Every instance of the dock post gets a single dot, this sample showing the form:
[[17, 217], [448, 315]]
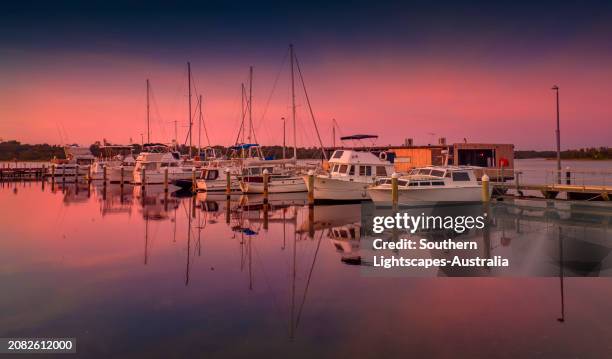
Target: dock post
[[52, 175], [568, 176], [266, 179], [228, 182], [104, 175], [394, 190], [166, 179], [76, 175], [64, 174], [311, 198], [193, 179], [122, 175], [143, 179], [485, 188]]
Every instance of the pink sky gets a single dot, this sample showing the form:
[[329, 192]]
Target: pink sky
[[96, 96]]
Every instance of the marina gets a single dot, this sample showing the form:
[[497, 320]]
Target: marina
[[253, 179], [280, 269]]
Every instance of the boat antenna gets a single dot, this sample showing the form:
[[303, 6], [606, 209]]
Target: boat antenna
[[291, 56]]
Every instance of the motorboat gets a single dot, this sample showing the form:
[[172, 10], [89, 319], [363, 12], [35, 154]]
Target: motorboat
[[280, 180], [155, 161], [350, 174], [78, 159], [430, 184]]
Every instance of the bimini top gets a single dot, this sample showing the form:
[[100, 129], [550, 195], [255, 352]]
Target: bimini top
[[357, 137], [244, 146]]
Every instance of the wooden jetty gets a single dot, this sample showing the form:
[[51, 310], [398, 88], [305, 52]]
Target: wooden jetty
[[573, 192], [22, 173]]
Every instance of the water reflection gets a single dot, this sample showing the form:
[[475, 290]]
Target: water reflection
[[243, 270]]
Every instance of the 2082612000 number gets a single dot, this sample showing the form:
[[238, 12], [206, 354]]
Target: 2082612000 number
[[37, 345]]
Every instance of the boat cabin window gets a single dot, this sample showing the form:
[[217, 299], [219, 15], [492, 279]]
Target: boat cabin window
[[365, 170], [424, 171], [437, 183], [402, 183], [212, 174], [461, 176], [437, 173], [337, 154], [351, 170], [343, 168], [381, 171], [150, 166], [335, 169]]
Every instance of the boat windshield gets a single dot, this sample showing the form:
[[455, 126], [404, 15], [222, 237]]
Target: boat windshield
[[437, 173]]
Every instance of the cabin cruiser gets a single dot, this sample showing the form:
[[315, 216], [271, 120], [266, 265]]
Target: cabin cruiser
[[280, 180], [113, 157], [78, 159], [351, 172], [154, 161], [431, 184], [127, 164]]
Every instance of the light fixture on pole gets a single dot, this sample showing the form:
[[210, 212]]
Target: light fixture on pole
[[558, 133]]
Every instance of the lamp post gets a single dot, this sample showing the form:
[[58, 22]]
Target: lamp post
[[558, 133], [284, 123]]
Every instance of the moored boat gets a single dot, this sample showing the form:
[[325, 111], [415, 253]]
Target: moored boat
[[431, 184]]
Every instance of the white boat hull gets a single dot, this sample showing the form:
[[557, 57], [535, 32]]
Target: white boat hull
[[114, 174], [216, 185], [411, 196], [280, 185], [158, 177], [331, 189]]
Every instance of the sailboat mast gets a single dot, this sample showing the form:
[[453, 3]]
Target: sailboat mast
[[189, 85], [148, 115], [293, 102], [250, 103], [200, 127]]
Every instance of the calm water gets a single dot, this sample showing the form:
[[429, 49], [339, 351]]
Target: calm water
[[141, 275]]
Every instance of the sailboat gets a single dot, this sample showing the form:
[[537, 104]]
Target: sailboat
[[281, 179]]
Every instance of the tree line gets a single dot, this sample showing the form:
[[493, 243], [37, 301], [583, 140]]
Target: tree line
[[16, 151]]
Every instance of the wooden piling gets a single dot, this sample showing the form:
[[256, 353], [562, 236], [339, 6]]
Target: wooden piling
[[311, 198], [394, 190], [104, 178], [193, 179], [485, 188], [166, 179], [143, 179], [568, 176], [266, 178], [228, 182]]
